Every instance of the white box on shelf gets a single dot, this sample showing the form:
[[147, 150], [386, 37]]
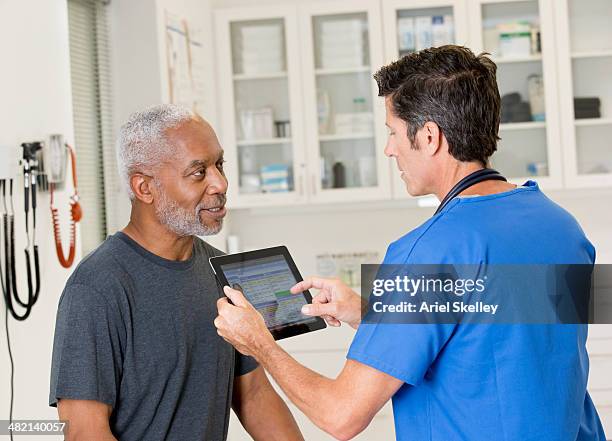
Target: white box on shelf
[[257, 123], [514, 40], [358, 122]]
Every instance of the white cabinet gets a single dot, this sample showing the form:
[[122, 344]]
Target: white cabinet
[[301, 120], [261, 105], [402, 21], [530, 137], [520, 35], [344, 118], [585, 69]]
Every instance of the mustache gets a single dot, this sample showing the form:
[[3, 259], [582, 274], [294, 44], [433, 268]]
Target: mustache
[[219, 201]]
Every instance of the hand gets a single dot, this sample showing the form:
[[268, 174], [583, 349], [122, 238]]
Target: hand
[[335, 303], [242, 325]]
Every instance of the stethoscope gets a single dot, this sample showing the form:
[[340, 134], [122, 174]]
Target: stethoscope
[[9, 289], [485, 174]]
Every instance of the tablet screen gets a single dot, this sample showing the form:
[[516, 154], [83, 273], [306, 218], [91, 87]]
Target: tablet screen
[[266, 283]]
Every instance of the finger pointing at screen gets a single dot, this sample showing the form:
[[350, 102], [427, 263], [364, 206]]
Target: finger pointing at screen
[[336, 302]]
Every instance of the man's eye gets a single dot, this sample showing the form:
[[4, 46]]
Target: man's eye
[[200, 172], [220, 164]]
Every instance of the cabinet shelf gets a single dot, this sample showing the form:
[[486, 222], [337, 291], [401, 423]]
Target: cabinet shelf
[[528, 125], [343, 71], [593, 122], [267, 141], [524, 59], [345, 137], [260, 76], [592, 54]]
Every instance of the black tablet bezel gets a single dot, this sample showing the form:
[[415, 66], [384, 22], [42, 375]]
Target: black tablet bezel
[[286, 331]]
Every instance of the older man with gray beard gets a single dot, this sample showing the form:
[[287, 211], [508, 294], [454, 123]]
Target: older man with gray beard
[[136, 355]]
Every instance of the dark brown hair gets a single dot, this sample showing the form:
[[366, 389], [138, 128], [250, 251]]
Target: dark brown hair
[[452, 87]]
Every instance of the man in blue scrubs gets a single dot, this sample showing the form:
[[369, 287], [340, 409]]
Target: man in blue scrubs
[[447, 382]]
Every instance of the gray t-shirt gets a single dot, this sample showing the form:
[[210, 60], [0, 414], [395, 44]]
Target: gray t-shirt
[[135, 330]]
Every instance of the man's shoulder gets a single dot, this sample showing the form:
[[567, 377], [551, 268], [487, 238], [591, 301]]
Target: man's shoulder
[[399, 250], [100, 267], [471, 228]]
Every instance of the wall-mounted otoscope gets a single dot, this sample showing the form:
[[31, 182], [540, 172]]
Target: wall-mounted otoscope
[[44, 168], [29, 164]]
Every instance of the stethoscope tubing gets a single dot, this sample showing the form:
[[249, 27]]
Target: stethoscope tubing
[[484, 174]]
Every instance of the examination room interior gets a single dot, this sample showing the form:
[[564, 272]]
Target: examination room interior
[[303, 132]]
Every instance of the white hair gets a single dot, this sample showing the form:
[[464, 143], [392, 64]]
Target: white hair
[[142, 142]]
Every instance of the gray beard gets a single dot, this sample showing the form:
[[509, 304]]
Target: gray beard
[[181, 221]]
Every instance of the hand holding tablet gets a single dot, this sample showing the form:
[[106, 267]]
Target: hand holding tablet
[[266, 277]]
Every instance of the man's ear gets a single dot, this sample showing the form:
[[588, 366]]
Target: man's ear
[[142, 186], [432, 138]]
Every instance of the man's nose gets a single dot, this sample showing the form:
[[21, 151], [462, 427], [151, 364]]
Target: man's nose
[[217, 182], [389, 152]]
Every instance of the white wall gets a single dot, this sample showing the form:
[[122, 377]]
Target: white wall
[[36, 102]]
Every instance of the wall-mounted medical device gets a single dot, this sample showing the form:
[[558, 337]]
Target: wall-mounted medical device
[[57, 154], [8, 264]]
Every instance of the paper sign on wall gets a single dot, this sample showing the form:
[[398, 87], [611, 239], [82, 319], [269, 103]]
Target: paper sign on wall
[[345, 266], [185, 59]]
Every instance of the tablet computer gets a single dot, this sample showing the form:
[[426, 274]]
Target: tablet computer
[[265, 277]]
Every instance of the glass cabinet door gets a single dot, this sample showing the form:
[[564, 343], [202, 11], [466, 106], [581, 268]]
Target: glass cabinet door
[[411, 26], [517, 38], [345, 115], [261, 121], [586, 71], [415, 25]]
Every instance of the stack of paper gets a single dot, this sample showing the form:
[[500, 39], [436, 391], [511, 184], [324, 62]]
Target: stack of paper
[[262, 49], [342, 43]]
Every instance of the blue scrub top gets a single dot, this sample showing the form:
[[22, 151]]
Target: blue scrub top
[[488, 382]]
